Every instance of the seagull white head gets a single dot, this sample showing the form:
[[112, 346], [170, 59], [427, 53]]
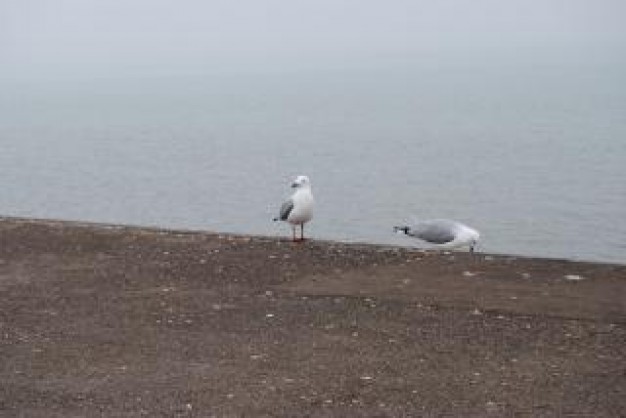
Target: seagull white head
[[301, 181]]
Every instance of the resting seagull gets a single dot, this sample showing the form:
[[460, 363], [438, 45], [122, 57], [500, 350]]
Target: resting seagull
[[298, 209], [443, 233]]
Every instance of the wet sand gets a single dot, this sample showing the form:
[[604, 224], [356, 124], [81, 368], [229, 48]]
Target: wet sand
[[101, 320]]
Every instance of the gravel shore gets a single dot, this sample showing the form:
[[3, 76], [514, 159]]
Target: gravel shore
[[103, 320]]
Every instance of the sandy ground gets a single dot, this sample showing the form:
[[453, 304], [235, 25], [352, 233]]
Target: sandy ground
[[100, 320]]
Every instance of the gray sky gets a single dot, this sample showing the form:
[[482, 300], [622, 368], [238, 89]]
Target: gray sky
[[99, 37]]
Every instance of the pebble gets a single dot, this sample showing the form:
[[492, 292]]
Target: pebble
[[491, 405], [573, 277]]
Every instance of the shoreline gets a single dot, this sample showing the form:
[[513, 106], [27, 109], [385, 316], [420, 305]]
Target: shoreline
[[53, 222], [116, 320]]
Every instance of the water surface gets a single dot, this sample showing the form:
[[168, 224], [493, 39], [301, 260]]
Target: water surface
[[531, 155]]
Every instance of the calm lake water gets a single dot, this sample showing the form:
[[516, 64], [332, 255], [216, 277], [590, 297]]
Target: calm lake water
[[533, 156]]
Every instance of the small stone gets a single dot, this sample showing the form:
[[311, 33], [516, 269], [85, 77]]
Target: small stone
[[491, 405], [269, 315], [573, 277], [468, 274]]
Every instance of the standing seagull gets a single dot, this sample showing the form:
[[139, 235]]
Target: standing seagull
[[298, 209], [442, 232]]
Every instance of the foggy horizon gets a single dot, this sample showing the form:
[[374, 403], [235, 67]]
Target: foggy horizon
[[83, 39]]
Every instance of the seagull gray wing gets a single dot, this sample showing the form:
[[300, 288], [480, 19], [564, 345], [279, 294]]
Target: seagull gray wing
[[436, 232], [286, 209]]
